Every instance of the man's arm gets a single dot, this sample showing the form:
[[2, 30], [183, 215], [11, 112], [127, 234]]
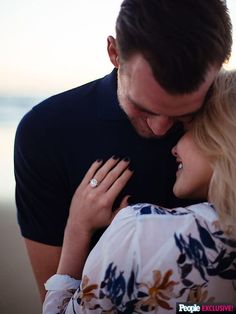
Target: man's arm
[[44, 260], [41, 193]]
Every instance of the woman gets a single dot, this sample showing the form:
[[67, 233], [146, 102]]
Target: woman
[[150, 257]]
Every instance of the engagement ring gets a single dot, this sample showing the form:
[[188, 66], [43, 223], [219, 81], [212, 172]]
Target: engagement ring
[[93, 183]]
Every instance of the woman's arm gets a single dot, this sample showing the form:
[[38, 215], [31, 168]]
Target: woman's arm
[[91, 209]]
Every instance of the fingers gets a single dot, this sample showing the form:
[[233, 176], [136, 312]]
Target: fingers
[[105, 169], [112, 171], [124, 202], [92, 206], [110, 175], [91, 172], [119, 184]]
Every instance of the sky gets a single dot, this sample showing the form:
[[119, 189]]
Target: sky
[[48, 46]]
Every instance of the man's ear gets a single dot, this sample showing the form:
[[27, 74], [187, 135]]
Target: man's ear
[[113, 51]]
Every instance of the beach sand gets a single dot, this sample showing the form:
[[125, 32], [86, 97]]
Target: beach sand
[[18, 291]]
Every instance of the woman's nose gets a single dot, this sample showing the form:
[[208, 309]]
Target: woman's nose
[[174, 151]]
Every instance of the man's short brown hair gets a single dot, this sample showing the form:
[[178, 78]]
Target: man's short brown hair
[[180, 39]]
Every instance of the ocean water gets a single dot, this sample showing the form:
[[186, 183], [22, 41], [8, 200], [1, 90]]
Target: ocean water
[[12, 109]]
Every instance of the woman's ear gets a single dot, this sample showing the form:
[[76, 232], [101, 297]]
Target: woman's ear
[[113, 51]]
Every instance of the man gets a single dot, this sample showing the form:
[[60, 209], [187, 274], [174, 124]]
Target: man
[[166, 55]]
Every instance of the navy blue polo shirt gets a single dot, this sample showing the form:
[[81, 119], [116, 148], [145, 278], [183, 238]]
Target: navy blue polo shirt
[[57, 141]]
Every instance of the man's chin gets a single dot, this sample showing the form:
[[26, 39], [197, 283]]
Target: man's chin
[[145, 133]]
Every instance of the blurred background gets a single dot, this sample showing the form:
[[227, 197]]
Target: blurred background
[[47, 46]]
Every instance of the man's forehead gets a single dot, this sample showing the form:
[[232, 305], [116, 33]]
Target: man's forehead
[[153, 98], [137, 65], [145, 91]]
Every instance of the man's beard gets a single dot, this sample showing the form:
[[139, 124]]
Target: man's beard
[[141, 126]]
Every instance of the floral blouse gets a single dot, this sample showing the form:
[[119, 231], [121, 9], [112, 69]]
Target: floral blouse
[[149, 259]]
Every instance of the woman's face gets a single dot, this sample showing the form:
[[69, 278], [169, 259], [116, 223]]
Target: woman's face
[[194, 171]]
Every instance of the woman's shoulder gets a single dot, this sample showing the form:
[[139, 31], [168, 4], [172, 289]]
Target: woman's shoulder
[[155, 223], [143, 210], [145, 216]]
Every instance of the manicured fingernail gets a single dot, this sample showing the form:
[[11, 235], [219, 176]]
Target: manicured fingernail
[[126, 159], [115, 157], [131, 167]]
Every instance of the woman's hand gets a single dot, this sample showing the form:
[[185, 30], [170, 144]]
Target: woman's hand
[[91, 207]]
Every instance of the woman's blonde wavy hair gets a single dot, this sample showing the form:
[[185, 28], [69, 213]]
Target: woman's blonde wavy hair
[[214, 131]]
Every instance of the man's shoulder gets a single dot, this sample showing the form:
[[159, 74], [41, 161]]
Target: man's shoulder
[[77, 98], [74, 104]]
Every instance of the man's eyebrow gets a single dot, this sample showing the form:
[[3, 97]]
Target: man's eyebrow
[[140, 107]]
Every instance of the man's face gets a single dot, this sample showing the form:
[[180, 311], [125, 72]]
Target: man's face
[[151, 110]]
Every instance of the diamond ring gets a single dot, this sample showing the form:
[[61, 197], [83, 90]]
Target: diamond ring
[[93, 183]]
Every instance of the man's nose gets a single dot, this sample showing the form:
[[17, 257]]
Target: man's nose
[[160, 124]]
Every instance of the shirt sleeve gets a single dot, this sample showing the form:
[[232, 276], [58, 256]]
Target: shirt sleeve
[[126, 264], [59, 287], [41, 192], [149, 259], [102, 269]]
